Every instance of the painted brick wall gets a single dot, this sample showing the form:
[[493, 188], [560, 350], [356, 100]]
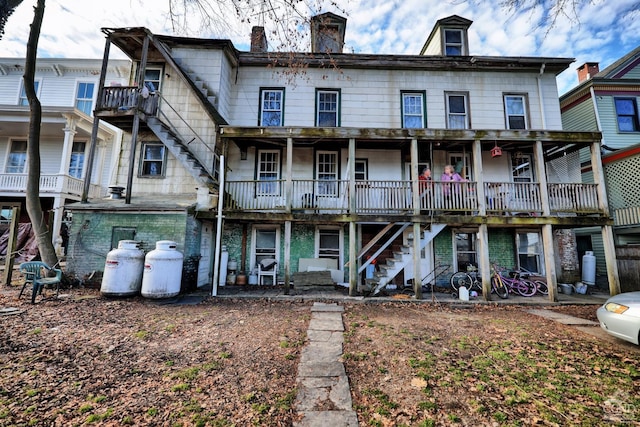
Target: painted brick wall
[[90, 237], [502, 247]]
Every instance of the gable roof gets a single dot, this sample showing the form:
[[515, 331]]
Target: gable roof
[[449, 21], [622, 66]]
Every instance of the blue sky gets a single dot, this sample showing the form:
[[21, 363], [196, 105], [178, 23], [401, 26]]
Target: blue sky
[[71, 29]]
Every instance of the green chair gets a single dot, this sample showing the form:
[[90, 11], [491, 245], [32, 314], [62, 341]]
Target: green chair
[[36, 273]]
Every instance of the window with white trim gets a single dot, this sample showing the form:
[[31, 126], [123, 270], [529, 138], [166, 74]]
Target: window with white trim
[[453, 42], [530, 256], [627, 114], [265, 243], [327, 173], [521, 167], [465, 249], [76, 163], [516, 111], [153, 160], [457, 115], [361, 169], [461, 163], [22, 100], [329, 243], [84, 97], [152, 78], [17, 158], [271, 107], [268, 173], [328, 108], [413, 110]]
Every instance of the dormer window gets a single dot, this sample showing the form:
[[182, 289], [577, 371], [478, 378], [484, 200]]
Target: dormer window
[[453, 42]]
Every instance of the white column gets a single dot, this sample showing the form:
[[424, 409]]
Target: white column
[[550, 261], [69, 133], [58, 210], [611, 261]]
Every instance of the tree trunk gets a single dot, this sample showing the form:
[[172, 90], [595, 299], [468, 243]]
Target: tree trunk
[[34, 208]]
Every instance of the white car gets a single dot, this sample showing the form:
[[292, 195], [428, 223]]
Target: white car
[[620, 316]]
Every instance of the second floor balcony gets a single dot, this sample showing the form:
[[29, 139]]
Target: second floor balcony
[[372, 197]]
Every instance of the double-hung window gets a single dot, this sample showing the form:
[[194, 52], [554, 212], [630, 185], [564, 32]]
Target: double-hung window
[[22, 100], [457, 114], [413, 110], [327, 108], [453, 42], [17, 158], [522, 169], [329, 243], [465, 247], [327, 173], [76, 164], [627, 114], [152, 79], [268, 173], [154, 156], [530, 256], [271, 107], [84, 97], [516, 111]]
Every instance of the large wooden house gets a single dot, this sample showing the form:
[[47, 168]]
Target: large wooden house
[[318, 168], [67, 90]]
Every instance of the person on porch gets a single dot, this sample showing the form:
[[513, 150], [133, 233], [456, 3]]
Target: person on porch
[[451, 191]]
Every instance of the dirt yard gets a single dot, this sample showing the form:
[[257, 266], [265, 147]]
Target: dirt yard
[[110, 362]]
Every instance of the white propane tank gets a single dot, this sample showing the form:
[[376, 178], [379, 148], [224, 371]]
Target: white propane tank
[[123, 270], [224, 259], [162, 271], [589, 268]]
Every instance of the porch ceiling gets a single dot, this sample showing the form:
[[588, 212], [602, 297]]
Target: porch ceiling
[[554, 142]]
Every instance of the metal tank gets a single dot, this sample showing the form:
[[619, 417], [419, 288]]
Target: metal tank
[[162, 271], [123, 270]]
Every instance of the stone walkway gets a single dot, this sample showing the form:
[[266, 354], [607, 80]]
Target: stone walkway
[[324, 397]]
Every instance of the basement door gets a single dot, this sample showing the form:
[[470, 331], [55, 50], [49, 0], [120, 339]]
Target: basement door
[[206, 245]]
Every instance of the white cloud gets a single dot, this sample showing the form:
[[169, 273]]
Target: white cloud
[[71, 28]]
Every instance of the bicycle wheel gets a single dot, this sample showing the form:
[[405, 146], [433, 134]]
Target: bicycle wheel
[[461, 279], [541, 287], [526, 287], [498, 286]]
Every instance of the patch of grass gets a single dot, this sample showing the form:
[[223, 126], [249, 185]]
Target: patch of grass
[[211, 366], [180, 387], [169, 363], [152, 412], [427, 406], [225, 355], [249, 397], [289, 356], [31, 392], [286, 402], [142, 334], [127, 420], [187, 374], [85, 408], [355, 357], [260, 408], [36, 331]]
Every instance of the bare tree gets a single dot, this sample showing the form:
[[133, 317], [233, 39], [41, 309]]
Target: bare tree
[[34, 209]]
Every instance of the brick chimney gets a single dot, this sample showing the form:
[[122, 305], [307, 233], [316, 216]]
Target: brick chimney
[[258, 40], [587, 70]]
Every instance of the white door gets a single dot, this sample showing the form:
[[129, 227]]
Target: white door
[[206, 245]]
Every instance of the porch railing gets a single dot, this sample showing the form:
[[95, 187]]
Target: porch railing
[[626, 216], [63, 184], [125, 98], [395, 197]]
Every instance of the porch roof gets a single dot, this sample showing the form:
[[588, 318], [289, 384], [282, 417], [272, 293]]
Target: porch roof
[[553, 141]]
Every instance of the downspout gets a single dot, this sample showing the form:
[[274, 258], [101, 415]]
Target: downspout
[[541, 96], [216, 258], [595, 112]]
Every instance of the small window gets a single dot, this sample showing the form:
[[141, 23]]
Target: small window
[[17, 159], [328, 104], [457, 117], [265, 243], [122, 233], [530, 256], [453, 42], [84, 97], [515, 111], [329, 244], [152, 78], [627, 113], [413, 110], [521, 168], [271, 107], [23, 94], [268, 172], [76, 163], [153, 160], [465, 246], [361, 169], [327, 173]]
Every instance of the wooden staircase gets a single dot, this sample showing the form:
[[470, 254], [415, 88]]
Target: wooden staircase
[[393, 266]]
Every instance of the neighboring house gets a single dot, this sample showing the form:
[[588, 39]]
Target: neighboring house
[[67, 90], [607, 101], [322, 167]]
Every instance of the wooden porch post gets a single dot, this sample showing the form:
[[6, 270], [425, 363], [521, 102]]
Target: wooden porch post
[[352, 178], [417, 273], [11, 244], [610, 259], [353, 262], [415, 188], [538, 156], [483, 261], [477, 167], [288, 190], [287, 256], [598, 177], [550, 261], [96, 126]]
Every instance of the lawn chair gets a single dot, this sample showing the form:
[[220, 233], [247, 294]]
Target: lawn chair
[[36, 274]]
